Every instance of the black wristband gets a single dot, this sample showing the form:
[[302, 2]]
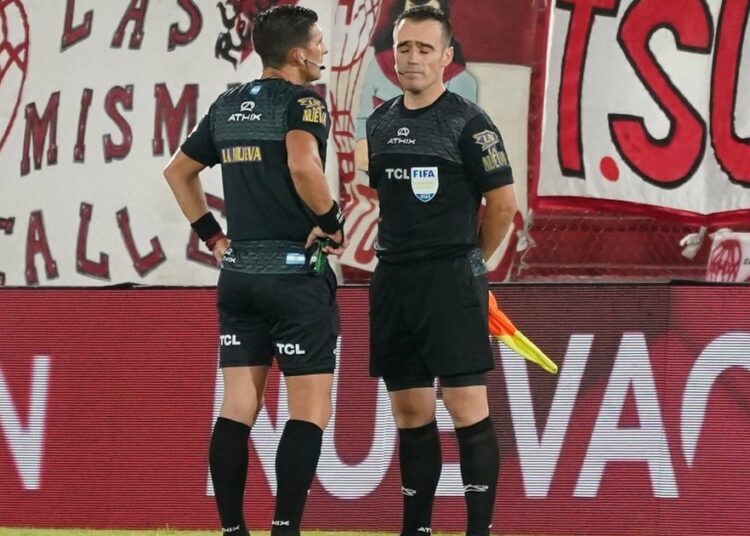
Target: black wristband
[[206, 226], [332, 221]]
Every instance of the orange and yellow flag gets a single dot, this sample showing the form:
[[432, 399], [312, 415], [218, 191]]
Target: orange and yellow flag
[[504, 330]]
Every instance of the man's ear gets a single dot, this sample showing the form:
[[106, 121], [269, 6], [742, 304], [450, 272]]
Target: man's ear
[[296, 56], [448, 56]]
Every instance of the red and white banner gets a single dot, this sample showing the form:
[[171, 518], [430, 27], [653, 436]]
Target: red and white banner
[[647, 109], [107, 399], [94, 100], [729, 260]]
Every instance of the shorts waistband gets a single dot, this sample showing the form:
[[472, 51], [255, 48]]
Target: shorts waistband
[[266, 257], [473, 255]]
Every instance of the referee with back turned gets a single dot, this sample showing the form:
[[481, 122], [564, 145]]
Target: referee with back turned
[[276, 292]]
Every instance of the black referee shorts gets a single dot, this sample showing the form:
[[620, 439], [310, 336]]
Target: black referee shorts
[[429, 320], [291, 316]]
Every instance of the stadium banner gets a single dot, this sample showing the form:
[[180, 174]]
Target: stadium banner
[[95, 99], [108, 396], [646, 110]]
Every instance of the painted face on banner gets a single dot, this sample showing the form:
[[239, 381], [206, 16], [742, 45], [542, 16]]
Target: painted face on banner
[[235, 43], [421, 54]]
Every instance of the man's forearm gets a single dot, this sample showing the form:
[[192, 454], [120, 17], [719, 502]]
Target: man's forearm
[[312, 187], [495, 225], [188, 192]]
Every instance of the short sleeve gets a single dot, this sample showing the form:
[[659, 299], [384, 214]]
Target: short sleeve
[[308, 112], [483, 152], [200, 143]]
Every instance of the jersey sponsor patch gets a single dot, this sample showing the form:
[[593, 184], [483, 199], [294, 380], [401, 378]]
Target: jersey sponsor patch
[[313, 110], [240, 117], [399, 174], [241, 154], [245, 113], [425, 182], [486, 139], [492, 158], [310, 102]]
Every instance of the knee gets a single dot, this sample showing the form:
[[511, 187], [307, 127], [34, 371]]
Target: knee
[[322, 415], [413, 416], [318, 413], [241, 408], [465, 413]]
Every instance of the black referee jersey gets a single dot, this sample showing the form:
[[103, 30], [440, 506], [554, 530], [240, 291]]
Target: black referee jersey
[[430, 167], [245, 131]]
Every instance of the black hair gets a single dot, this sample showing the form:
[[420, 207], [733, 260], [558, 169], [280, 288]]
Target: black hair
[[384, 40], [424, 13], [279, 29]]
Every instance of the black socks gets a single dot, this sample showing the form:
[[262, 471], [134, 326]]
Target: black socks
[[227, 457], [296, 462], [480, 465], [420, 460]]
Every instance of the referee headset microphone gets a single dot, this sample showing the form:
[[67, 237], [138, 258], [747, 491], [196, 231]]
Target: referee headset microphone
[[319, 66]]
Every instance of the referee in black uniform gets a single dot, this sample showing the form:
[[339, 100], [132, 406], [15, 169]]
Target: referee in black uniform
[[433, 156], [276, 292]]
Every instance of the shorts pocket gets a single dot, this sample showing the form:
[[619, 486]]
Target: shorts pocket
[[462, 269]]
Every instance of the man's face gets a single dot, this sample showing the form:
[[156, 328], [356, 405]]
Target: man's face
[[314, 52], [421, 54]]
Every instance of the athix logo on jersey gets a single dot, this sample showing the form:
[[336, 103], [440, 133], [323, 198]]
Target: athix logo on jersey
[[245, 113], [314, 111], [229, 257], [238, 155], [424, 182], [289, 349], [402, 138]]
